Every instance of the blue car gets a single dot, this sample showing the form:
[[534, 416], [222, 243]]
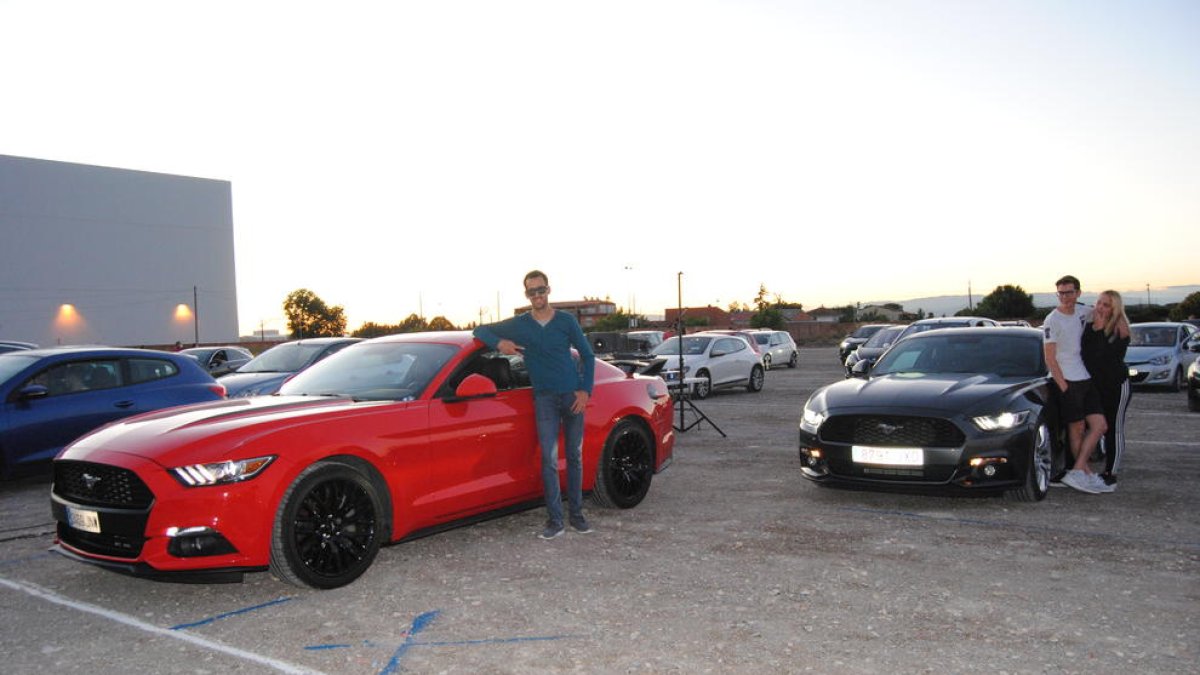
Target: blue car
[[267, 371], [50, 397]]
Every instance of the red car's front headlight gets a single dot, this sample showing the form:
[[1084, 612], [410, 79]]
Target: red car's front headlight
[[217, 473]]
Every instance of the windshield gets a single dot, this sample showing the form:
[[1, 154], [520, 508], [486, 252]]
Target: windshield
[[385, 371], [286, 358], [10, 364], [1003, 355], [866, 331], [200, 354], [1151, 336], [693, 345], [883, 338]]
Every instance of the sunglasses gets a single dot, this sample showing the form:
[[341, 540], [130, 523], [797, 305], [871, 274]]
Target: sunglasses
[[538, 290]]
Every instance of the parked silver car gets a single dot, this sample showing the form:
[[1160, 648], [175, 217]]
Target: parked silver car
[[219, 361], [710, 360], [1160, 352], [776, 346]]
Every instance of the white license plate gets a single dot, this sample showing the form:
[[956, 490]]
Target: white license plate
[[867, 454], [88, 521]]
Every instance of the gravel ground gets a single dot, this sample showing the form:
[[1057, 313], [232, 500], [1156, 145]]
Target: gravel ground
[[733, 564]]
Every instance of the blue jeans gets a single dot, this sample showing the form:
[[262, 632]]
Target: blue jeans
[[553, 412]]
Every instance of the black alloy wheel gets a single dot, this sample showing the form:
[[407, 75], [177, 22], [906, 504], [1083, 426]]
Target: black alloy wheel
[[626, 467], [327, 528]]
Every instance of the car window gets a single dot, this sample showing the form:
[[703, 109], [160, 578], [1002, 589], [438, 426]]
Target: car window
[[147, 370], [79, 376], [692, 346], [729, 345], [396, 371]]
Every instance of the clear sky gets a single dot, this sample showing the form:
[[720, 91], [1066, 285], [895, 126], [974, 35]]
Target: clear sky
[[398, 156]]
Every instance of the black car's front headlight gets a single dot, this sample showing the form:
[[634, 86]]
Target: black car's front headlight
[[811, 419], [1005, 421]]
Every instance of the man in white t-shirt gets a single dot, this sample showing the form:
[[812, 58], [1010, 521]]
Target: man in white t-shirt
[[1079, 401]]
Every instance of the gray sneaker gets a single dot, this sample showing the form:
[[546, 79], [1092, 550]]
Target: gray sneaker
[[1080, 481], [580, 525], [551, 530]]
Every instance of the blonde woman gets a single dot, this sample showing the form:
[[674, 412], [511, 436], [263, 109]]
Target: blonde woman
[[1105, 339]]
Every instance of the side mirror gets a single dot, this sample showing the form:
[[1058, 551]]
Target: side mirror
[[32, 391], [860, 369], [475, 386]]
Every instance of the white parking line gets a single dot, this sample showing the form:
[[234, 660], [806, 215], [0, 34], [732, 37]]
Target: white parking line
[[51, 596]]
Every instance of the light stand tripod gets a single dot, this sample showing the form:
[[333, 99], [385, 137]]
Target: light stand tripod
[[684, 400]]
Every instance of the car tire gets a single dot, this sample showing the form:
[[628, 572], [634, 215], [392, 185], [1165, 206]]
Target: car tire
[[328, 527], [766, 361], [1038, 466], [1176, 384], [757, 376], [795, 360], [703, 388], [626, 467]]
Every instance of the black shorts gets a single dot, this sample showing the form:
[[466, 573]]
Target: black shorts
[[1080, 400]]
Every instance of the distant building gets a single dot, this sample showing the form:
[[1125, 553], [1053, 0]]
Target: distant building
[[99, 255], [825, 315], [588, 311], [700, 317]]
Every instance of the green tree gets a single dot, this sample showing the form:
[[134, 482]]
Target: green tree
[[1188, 308], [768, 317], [413, 324], [371, 329], [617, 321], [441, 323], [1006, 302], [308, 316]]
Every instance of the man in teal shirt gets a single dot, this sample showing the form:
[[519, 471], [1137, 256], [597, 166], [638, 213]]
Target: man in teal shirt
[[561, 388]]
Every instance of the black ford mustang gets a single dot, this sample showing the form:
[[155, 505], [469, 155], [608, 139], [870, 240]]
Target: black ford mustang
[[961, 409]]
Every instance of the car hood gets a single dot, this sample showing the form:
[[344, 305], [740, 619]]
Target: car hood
[[1142, 354], [173, 435], [901, 392], [236, 383]]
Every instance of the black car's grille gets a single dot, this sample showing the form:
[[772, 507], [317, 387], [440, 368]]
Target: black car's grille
[[892, 430], [89, 484], [114, 545]]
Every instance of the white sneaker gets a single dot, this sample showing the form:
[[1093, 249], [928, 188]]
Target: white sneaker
[[1099, 484], [1080, 481]]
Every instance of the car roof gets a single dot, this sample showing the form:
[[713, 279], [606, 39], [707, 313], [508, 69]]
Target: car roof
[[460, 338], [86, 350], [976, 331], [319, 341], [1162, 324]]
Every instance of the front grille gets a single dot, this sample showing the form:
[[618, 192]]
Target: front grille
[[89, 484], [114, 545], [892, 430]]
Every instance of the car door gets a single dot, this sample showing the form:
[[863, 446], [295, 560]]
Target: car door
[[727, 364], [483, 451], [81, 395]]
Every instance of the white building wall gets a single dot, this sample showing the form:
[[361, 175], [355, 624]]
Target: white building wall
[[124, 248]]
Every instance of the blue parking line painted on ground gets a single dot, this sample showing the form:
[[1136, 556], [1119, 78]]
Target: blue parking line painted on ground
[[424, 620], [419, 624], [1012, 526], [226, 615]]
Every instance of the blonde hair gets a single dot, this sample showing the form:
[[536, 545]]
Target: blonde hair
[[1118, 311]]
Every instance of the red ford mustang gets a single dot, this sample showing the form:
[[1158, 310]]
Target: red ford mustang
[[387, 440]]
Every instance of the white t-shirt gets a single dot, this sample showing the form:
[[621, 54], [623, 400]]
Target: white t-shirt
[[1066, 332]]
